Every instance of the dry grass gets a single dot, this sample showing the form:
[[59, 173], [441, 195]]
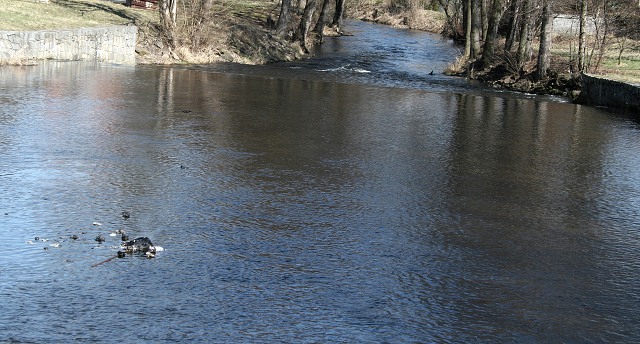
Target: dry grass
[[628, 70], [458, 66], [414, 16], [427, 20], [234, 31]]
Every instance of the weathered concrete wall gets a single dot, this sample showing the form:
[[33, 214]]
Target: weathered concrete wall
[[604, 92], [569, 25], [114, 44]]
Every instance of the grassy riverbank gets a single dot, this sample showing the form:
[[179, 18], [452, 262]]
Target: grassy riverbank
[[26, 15], [238, 31]]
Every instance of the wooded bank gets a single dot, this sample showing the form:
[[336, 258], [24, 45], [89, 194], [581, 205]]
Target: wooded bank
[[506, 41]]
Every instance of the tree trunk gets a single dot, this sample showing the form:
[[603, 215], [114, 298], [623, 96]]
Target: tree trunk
[[284, 19], [319, 29], [198, 23], [337, 16], [173, 10], [467, 29], [453, 19], [305, 23], [514, 22], [582, 42], [605, 33], [492, 33], [484, 15], [168, 16], [476, 28], [545, 41], [524, 33]]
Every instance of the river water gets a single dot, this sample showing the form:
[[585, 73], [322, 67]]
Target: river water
[[350, 198]]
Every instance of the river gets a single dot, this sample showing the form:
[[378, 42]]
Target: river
[[350, 198]]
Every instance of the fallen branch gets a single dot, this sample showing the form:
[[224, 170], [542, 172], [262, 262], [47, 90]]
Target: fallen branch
[[104, 261]]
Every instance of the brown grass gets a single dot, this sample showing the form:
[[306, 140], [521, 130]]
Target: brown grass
[[458, 66], [427, 20], [564, 54]]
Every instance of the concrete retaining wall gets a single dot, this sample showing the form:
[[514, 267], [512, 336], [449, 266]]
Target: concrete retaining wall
[[568, 25], [604, 92], [114, 44]]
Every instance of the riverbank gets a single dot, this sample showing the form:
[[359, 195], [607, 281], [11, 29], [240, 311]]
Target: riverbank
[[497, 76], [560, 81], [418, 19], [239, 31], [242, 32]]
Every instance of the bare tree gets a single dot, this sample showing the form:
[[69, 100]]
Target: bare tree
[[467, 28], [496, 11], [284, 19], [524, 43], [199, 20], [582, 39], [337, 16], [322, 18], [514, 24], [545, 41], [168, 18], [305, 23], [476, 28]]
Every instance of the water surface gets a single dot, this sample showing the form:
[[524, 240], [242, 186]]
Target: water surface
[[301, 209]]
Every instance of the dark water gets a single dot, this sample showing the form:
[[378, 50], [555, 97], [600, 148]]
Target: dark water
[[300, 210], [374, 55]]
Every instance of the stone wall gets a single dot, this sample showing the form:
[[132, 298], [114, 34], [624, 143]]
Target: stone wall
[[113, 44], [604, 92], [569, 25]]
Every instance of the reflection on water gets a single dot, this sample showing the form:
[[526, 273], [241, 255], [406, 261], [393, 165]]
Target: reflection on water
[[296, 210], [374, 55]]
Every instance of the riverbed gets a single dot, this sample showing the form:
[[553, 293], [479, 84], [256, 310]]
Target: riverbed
[[351, 198]]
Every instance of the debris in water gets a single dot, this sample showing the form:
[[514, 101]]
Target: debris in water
[[141, 245]]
